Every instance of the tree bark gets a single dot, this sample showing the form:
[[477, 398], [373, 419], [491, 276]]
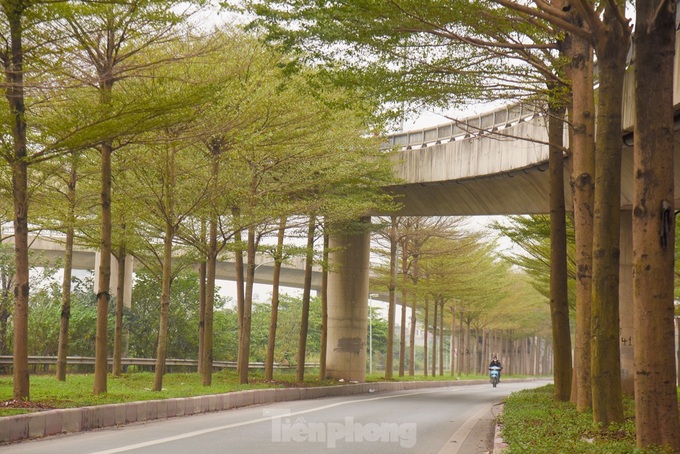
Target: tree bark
[[324, 306], [392, 305], [120, 300], [274, 317], [65, 316], [244, 340], [304, 319], [611, 48], [104, 278], [559, 303], [14, 93], [657, 420], [208, 313], [402, 331], [166, 274], [426, 320], [582, 152]]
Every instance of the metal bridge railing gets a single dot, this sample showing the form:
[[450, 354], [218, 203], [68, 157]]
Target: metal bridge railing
[[461, 129]]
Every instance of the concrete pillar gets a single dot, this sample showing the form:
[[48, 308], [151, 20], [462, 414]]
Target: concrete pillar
[[626, 302], [348, 306]]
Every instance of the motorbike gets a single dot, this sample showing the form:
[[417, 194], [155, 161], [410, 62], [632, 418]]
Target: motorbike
[[494, 374]]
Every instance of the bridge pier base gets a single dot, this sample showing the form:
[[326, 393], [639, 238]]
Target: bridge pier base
[[348, 305]]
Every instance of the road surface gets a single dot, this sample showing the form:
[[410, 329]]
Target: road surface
[[456, 419]]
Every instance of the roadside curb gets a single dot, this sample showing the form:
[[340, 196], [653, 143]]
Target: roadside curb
[[61, 421], [499, 445]]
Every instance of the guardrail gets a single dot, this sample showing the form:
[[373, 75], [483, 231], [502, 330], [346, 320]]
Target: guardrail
[[6, 360], [461, 129]]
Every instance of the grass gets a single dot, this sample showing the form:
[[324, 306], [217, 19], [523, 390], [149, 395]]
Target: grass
[[533, 422]]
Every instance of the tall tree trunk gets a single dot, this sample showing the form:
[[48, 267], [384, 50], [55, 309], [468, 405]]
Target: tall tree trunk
[[304, 319], [402, 330], [392, 304], [559, 303], [208, 313], [164, 317], [120, 301], [166, 273], [273, 322], [207, 304], [441, 339], [324, 306], [453, 348], [104, 278], [582, 178], [657, 421], [434, 338], [414, 307], [426, 321], [14, 92], [65, 316], [244, 340], [202, 272], [461, 344], [611, 48], [239, 268]]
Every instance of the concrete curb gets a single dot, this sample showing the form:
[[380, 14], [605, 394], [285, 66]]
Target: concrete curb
[[61, 421], [499, 445]]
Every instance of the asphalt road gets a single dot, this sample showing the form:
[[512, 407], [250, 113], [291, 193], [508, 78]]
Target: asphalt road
[[456, 419]]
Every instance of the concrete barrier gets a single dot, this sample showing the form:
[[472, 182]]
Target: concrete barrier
[[53, 422]]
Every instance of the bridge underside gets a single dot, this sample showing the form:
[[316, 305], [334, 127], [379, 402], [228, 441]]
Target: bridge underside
[[516, 192]]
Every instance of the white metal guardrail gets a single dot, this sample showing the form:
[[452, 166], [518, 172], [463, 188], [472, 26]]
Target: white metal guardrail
[[6, 360], [462, 129]]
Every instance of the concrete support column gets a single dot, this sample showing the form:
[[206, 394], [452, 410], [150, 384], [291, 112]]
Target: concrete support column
[[348, 306], [626, 302]]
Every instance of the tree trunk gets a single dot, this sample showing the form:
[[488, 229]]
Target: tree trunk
[[426, 321], [166, 274], [392, 305], [273, 322], [414, 306], [304, 319], [582, 185], [657, 420], [104, 278], [559, 303], [65, 318], [164, 317], [14, 92], [453, 338], [244, 340], [434, 338], [202, 272], [120, 300], [611, 48], [402, 332], [208, 314], [324, 307], [441, 339], [239, 269]]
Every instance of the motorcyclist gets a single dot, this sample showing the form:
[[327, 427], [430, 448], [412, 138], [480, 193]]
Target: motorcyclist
[[497, 363]]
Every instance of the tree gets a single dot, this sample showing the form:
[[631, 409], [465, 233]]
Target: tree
[[109, 38], [656, 399]]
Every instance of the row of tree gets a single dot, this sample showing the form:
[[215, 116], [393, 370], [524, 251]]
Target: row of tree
[[437, 53], [130, 129]]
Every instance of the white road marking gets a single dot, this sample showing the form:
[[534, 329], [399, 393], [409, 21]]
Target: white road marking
[[266, 418], [454, 443]]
